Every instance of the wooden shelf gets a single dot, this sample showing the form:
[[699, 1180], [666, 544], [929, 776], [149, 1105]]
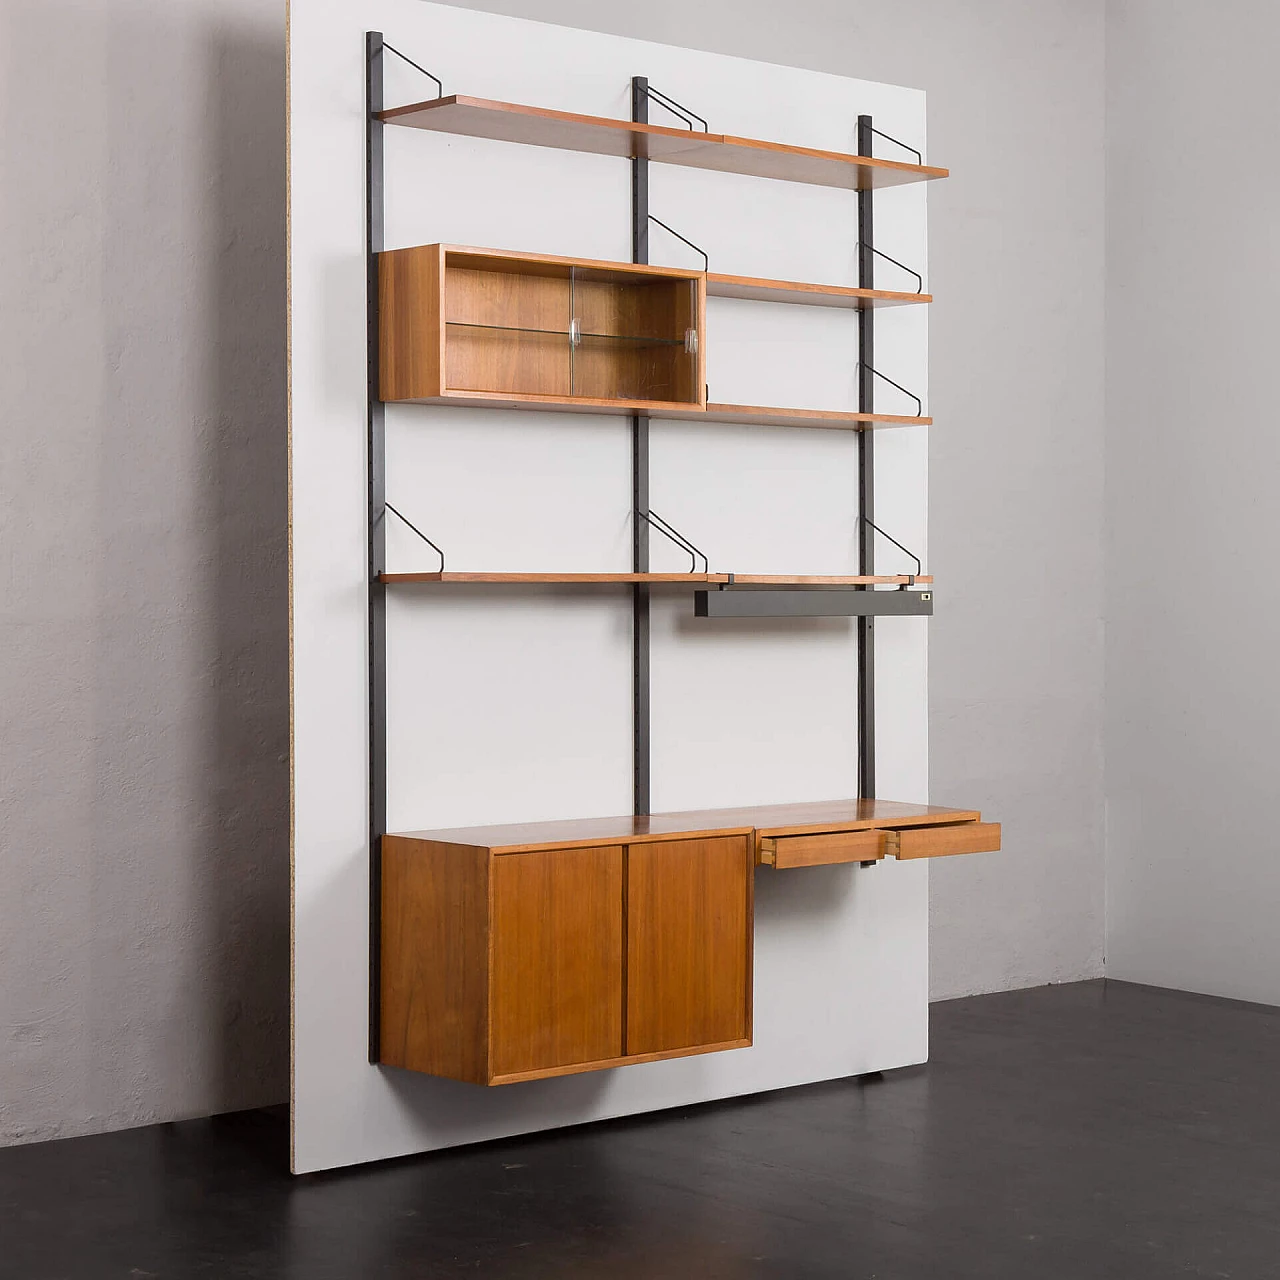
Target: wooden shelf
[[807, 818], [669, 579], [600, 135], [748, 414], [764, 416], [755, 289]]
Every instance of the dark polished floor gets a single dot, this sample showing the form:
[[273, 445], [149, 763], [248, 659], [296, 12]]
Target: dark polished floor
[[1081, 1132]]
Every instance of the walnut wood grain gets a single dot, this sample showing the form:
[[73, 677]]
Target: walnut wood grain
[[689, 941], [434, 988], [945, 841], [760, 289], [601, 135], [556, 994]]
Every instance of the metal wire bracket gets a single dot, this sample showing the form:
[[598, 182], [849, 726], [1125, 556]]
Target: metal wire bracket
[[405, 58], [890, 381], [896, 543], [418, 531], [676, 108], [897, 143], [858, 244], [655, 521], [706, 262]]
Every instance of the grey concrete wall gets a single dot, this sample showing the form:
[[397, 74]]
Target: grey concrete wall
[[143, 650], [144, 876], [1193, 607]]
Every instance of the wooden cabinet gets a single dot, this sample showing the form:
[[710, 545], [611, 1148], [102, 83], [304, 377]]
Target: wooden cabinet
[[498, 966], [517, 952], [482, 325]]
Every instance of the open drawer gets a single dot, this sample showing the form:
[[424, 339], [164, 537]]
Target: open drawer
[[782, 852], [876, 829], [942, 841]]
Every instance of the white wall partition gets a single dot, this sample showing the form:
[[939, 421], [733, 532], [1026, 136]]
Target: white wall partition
[[513, 705]]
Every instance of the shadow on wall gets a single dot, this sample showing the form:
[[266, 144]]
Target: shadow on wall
[[245, 856], [146, 933]]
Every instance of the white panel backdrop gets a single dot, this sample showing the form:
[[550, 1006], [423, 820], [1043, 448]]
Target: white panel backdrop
[[512, 705]]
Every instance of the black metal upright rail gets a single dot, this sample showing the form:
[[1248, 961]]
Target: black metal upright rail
[[641, 746], [377, 524], [866, 482]]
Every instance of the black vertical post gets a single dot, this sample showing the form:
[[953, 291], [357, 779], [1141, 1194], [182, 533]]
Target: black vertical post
[[377, 529], [866, 484], [640, 487]]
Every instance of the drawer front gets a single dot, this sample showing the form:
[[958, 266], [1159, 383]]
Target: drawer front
[[782, 852], [943, 842]]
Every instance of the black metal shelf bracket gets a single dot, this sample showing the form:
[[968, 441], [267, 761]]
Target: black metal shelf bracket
[[897, 143], [405, 58], [864, 519], [706, 262], [870, 248], [673, 534], [405, 520], [676, 108], [885, 378]]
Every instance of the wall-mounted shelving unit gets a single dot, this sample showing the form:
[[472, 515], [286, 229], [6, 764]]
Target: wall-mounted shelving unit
[[492, 329], [515, 953]]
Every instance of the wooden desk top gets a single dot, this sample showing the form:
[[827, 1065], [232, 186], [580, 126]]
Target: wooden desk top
[[765, 820]]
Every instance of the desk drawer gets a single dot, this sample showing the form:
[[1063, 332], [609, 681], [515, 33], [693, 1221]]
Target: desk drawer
[[943, 842], [782, 852]]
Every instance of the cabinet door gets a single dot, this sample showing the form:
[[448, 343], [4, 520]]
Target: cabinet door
[[556, 935], [689, 940]]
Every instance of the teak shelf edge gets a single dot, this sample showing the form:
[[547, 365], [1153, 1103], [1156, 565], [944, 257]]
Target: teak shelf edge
[[746, 414], [762, 289], [602, 135]]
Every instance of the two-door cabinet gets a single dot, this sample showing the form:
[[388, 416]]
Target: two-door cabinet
[[502, 963]]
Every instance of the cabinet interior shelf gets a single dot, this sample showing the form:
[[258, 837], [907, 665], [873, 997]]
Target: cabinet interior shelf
[[601, 135], [567, 336], [678, 579]]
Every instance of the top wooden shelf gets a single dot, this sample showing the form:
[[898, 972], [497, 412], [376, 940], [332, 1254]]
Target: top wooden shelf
[[600, 135]]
